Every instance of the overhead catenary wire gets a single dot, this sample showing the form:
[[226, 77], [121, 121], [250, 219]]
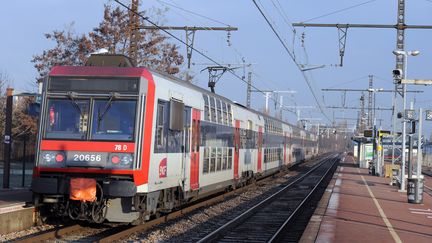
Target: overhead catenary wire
[[293, 59], [189, 46], [339, 11], [191, 12], [348, 82]]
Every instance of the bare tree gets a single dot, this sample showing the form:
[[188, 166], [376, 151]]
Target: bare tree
[[154, 50]]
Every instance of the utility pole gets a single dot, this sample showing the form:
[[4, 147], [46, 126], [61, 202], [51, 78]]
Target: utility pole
[[134, 34], [249, 90], [370, 112], [362, 114], [7, 137]]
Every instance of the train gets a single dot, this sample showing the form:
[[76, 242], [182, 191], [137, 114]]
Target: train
[[119, 143]]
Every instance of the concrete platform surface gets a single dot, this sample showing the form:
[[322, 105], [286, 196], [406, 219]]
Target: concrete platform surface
[[14, 215], [11, 197], [365, 208]]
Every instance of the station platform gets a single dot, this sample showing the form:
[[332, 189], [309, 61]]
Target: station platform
[[15, 214], [14, 197], [358, 207]]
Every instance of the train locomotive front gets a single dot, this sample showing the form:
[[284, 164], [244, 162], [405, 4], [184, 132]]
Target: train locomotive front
[[92, 146]]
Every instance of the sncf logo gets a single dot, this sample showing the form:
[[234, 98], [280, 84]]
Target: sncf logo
[[163, 168]]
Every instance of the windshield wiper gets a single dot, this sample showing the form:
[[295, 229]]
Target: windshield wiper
[[113, 96], [71, 96]]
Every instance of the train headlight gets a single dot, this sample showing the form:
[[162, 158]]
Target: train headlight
[[52, 158], [121, 160]]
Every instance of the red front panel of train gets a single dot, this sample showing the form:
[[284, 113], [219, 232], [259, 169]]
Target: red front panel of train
[[81, 154]]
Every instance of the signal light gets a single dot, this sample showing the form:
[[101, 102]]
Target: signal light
[[115, 159], [59, 158]]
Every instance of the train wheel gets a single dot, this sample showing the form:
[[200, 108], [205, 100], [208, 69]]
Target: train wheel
[[99, 211]]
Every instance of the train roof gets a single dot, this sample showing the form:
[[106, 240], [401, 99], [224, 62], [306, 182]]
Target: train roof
[[205, 91]]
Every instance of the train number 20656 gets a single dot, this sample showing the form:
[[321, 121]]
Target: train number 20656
[[87, 157]]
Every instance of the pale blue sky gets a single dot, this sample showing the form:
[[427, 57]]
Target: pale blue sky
[[368, 51]]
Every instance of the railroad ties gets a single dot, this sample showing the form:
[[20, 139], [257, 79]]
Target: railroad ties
[[271, 219]]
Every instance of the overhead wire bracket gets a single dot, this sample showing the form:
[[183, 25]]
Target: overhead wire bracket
[[215, 73], [342, 34]]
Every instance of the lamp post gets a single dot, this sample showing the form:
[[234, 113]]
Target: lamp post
[[404, 75]]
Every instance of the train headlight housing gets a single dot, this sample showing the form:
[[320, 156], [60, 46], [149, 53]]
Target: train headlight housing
[[121, 160], [126, 159], [52, 159]]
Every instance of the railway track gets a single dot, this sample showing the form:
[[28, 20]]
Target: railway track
[[428, 189], [111, 233], [278, 218]]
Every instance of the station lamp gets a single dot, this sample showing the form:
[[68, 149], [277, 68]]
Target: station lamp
[[429, 115], [409, 114]]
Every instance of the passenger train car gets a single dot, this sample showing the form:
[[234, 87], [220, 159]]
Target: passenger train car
[[124, 144]]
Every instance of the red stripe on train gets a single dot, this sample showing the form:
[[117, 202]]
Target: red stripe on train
[[87, 146]]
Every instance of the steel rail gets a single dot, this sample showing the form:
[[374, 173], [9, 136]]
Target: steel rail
[[281, 230], [51, 234], [236, 221], [428, 189]]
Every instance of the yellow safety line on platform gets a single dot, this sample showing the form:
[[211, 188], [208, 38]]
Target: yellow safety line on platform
[[381, 211]]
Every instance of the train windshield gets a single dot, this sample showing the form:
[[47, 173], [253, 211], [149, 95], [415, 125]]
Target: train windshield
[[113, 120], [67, 119], [110, 119]]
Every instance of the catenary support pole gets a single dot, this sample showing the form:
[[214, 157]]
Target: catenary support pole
[[419, 146], [7, 138]]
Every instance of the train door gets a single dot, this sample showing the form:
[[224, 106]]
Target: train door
[[186, 141], [290, 148], [285, 148], [260, 141], [195, 144], [236, 148]]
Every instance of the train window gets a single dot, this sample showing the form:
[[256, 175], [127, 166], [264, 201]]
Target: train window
[[206, 161], [213, 160], [219, 111], [219, 159], [113, 120], [213, 109], [67, 119], [225, 158], [229, 158], [176, 115], [225, 113], [194, 136], [229, 115], [160, 126], [206, 108]]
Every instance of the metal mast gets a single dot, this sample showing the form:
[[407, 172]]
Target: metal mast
[[362, 114], [370, 101], [249, 90], [134, 33]]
